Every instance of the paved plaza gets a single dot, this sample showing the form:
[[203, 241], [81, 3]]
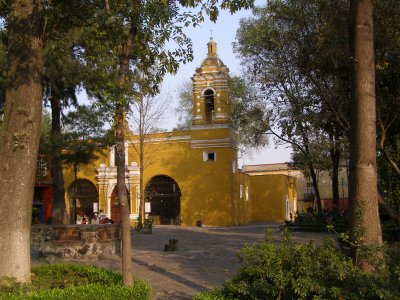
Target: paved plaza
[[204, 259]]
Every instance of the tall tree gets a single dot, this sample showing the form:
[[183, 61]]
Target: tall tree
[[365, 225], [84, 138], [63, 75], [20, 133], [136, 34], [284, 49], [387, 51], [147, 112]]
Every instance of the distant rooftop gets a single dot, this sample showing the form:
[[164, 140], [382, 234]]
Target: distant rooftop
[[266, 167]]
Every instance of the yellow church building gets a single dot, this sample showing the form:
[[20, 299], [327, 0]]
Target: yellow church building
[[193, 175]]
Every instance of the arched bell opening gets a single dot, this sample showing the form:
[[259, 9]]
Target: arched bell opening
[[209, 103]]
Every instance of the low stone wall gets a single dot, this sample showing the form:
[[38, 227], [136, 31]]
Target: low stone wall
[[77, 241]]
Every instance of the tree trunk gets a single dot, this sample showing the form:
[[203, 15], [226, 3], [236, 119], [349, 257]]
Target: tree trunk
[[141, 189], [335, 157], [123, 196], [365, 228], [141, 162], [20, 134], [316, 188], [121, 164], [59, 215], [126, 49]]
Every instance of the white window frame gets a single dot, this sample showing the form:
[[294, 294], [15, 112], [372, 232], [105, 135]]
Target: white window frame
[[206, 153]]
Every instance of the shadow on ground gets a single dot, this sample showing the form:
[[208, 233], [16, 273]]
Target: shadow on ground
[[203, 261]]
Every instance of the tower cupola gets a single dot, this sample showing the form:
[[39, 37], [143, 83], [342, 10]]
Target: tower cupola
[[212, 48]]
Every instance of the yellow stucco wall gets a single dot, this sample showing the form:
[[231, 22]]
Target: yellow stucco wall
[[207, 187], [85, 171], [268, 197], [214, 192]]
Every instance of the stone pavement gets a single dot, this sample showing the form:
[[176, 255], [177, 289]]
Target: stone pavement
[[204, 260]]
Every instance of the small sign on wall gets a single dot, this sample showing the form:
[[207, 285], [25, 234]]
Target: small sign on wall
[[147, 207], [95, 207]]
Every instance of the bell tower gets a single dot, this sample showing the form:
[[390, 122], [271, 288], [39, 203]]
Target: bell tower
[[211, 103]]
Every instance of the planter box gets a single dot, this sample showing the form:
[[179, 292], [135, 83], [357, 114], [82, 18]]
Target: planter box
[[86, 242]]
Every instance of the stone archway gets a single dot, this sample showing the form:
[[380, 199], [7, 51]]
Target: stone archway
[[85, 193], [164, 195]]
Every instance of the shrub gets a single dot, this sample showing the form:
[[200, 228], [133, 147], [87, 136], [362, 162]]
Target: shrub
[[213, 295], [303, 271], [65, 275], [313, 221], [67, 281], [138, 291]]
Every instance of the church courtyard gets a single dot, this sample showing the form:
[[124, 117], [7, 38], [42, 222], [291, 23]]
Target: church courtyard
[[204, 259]]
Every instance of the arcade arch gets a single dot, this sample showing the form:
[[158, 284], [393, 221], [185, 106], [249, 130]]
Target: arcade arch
[[164, 195], [84, 193]]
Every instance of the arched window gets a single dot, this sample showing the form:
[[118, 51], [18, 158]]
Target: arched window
[[209, 102]]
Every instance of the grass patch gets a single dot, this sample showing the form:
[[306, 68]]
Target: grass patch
[[67, 281]]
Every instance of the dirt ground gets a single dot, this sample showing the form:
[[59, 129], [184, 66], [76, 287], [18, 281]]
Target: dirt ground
[[204, 259]]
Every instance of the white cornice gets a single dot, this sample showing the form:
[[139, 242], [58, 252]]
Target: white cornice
[[209, 126], [213, 143], [171, 139]]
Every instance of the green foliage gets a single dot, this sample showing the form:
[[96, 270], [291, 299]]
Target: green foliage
[[45, 140], [147, 227], [185, 106], [303, 271], [213, 295], [72, 282], [295, 53], [64, 275], [249, 114], [338, 222], [313, 221], [387, 45], [138, 291], [85, 134]]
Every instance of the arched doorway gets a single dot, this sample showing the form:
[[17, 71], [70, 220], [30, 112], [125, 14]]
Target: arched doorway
[[84, 193], [115, 207], [164, 195]]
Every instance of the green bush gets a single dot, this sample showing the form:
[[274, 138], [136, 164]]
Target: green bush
[[138, 291], [303, 271], [67, 281], [65, 275], [313, 221], [213, 295]]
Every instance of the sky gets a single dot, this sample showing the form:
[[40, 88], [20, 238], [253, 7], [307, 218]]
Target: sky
[[223, 32]]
